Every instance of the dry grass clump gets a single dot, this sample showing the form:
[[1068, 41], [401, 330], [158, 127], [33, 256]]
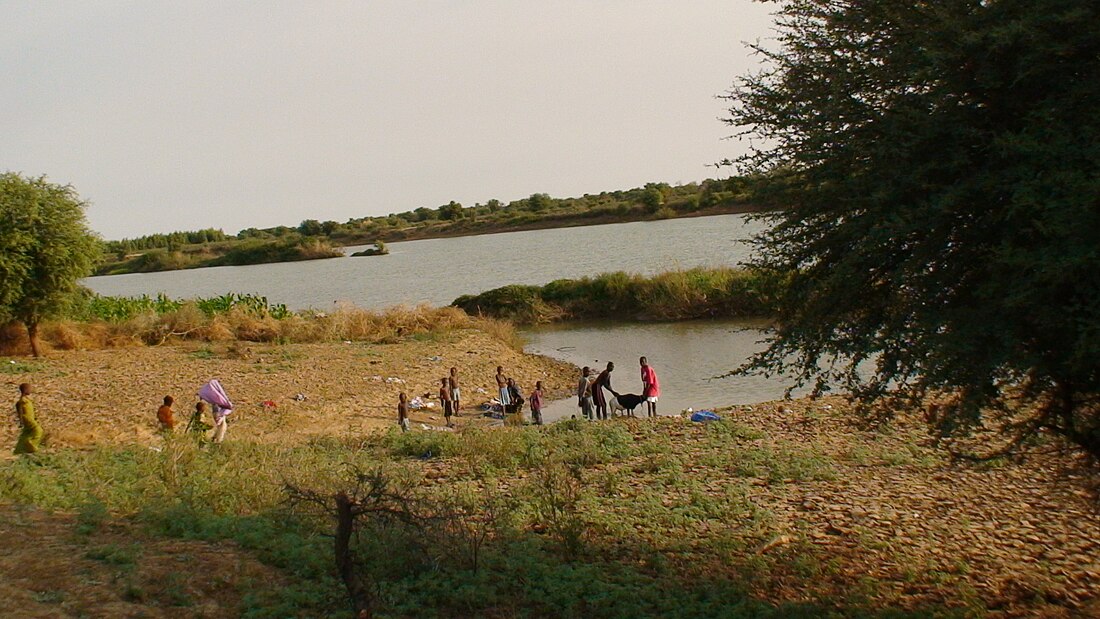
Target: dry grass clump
[[64, 336], [13, 340], [189, 322], [249, 327], [348, 322], [502, 330]]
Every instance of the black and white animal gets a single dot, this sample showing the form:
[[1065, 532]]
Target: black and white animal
[[623, 402]]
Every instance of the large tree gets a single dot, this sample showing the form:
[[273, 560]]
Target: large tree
[[45, 247], [937, 164]]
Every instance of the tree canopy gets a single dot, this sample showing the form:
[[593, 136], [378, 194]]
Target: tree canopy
[[938, 167], [45, 247]]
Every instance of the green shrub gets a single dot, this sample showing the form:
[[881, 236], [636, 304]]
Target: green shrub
[[675, 295]]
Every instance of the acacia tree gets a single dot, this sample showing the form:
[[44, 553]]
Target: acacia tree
[[938, 169], [45, 247]]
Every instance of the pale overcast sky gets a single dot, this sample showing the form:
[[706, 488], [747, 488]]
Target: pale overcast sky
[[191, 114]]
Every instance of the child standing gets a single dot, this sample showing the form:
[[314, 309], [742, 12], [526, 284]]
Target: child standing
[[536, 404], [403, 411], [455, 393], [165, 416], [446, 401]]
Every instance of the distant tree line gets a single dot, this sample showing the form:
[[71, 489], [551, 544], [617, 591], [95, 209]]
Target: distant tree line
[[165, 241], [650, 200]]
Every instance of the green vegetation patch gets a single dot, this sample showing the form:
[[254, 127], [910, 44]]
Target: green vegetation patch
[[575, 519], [675, 295]]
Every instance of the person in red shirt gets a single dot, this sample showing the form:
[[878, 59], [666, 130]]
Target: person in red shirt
[[651, 389]]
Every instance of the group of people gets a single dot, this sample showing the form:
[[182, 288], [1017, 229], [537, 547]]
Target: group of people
[[220, 408], [450, 399], [592, 400], [196, 424], [31, 433]]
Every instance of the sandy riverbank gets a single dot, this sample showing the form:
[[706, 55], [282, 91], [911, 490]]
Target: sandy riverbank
[[111, 396]]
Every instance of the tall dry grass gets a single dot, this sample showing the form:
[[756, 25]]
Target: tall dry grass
[[189, 323]]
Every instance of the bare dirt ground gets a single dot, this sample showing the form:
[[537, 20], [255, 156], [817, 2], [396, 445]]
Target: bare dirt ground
[[111, 396], [54, 571]]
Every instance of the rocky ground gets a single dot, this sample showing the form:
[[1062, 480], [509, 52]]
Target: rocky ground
[[890, 515]]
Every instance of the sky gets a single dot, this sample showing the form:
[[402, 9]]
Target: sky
[[175, 115]]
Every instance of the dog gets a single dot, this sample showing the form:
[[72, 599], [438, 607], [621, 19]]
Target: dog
[[624, 403]]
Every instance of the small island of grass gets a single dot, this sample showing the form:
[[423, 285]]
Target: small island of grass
[[223, 253], [675, 295], [379, 249]]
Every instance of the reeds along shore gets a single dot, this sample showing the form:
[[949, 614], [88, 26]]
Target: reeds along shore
[[674, 295]]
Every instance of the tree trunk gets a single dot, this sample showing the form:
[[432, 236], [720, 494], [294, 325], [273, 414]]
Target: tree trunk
[[1078, 425], [345, 525], [32, 335]]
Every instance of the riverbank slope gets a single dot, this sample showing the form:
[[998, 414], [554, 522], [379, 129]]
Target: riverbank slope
[[782, 509]]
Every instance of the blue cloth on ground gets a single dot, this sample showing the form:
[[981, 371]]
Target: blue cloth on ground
[[705, 416]]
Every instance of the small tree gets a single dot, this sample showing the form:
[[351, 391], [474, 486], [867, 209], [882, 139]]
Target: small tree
[[451, 211], [938, 167], [539, 202], [424, 213], [45, 247], [310, 227], [652, 199]]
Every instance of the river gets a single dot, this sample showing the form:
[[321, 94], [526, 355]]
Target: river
[[436, 271], [687, 356]]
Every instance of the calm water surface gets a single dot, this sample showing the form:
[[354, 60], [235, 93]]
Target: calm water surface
[[689, 358], [436, 271]]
